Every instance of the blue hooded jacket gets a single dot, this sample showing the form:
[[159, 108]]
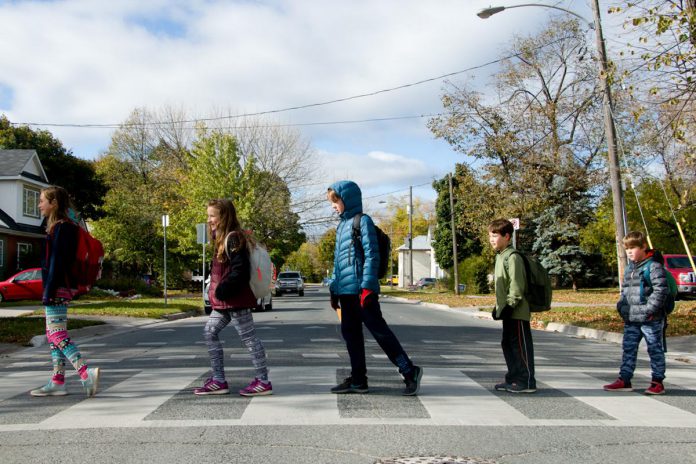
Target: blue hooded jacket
[[352, 271]]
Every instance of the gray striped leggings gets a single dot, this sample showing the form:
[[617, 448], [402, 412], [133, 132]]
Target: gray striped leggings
[[243, 322]]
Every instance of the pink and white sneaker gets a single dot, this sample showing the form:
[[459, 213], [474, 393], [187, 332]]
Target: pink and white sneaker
[[257, 388], [212, 387]]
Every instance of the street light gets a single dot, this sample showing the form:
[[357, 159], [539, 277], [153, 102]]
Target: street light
[[609, 128]]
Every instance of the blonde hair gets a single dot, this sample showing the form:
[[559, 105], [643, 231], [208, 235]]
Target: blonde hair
[[229, 224], [635, 239], [60, 197], [333, 196]]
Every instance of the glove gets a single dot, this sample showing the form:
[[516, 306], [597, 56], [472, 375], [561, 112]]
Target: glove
[[364, 295], [494, 313], [334, 301], [506, 313]]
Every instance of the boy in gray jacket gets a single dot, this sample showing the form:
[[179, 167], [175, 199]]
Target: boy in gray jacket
[[642, 307]]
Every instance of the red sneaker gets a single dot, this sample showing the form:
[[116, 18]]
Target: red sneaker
[[619, 385], [656, 388]]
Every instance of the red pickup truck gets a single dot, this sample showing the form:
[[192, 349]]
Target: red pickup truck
[[680, 267]]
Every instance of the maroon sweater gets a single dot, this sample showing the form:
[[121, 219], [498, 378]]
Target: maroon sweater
[[229, 281]]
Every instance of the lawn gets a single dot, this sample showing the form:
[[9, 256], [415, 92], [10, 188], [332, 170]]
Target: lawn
[[141, 307], [20, 330], [596, 308]]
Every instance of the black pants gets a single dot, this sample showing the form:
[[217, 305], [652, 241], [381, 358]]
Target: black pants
[[518, 350], [352, 318]]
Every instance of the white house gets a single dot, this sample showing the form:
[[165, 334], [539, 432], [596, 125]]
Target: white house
[[424, 264], [21, 236]]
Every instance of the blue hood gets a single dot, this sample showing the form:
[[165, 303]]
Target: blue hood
[[351, 195]]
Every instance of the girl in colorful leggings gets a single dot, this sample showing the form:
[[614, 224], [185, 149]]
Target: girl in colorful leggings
[[231, 298], [60, 249]]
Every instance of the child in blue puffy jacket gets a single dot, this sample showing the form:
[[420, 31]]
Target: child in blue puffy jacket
[[354, 290]]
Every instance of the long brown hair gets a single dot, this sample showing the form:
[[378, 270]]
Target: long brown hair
[[229, 224], [62, 200]]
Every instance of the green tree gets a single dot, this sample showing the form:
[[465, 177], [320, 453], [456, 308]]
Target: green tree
[[327, 246], [306, 260], [76, 175]]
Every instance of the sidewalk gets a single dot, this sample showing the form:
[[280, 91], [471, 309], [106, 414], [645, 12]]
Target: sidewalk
[[678, 348]]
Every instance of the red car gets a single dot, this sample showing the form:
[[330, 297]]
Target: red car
[[680, 267], [25, 285]]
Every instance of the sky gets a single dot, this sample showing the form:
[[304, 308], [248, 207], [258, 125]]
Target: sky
[[94, 61]]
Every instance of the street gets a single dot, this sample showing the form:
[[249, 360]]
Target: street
[[145, 410]]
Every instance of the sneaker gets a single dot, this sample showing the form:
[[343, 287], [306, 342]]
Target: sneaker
[[257, 388], [91, 383], [517, 388], [619, 385], [413, 383], [502, 386], [347, 386], [50, 389], [212, 387], [656, 388]]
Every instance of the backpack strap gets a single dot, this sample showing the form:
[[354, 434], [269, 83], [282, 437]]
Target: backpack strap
[[356, 236], [527, 271]]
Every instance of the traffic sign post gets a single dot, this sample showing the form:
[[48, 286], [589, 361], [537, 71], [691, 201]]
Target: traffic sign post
[[202, 239]]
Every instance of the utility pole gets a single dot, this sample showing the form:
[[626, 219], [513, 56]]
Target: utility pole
[[454, 238], [410, 236], [612, 153]]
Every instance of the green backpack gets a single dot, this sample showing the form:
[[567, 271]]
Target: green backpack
[[671, 283], [539, 290]]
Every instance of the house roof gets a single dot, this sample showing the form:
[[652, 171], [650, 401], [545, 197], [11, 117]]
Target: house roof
[[13, 163], [419, 243], [6, 219]]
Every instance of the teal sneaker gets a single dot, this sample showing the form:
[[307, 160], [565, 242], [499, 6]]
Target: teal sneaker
[[91, 383], [50, 389]]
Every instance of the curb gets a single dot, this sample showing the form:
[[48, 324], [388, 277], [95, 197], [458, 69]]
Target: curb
[[177, 316]]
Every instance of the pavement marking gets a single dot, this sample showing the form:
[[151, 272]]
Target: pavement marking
[[311, 327], [627, 407], [164, 330], [151, 343], [320, 355], [380, 356], [98, 361], [321, 340], [462, 357], [487, 343], [29, 363], [177, 356], [437, 342], [90, 345], [272, 340]]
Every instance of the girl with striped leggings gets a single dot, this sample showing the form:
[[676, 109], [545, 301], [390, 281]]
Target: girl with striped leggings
[[231, 298], [58, 257]]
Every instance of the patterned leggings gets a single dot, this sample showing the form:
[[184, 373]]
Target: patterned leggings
[[243, 322], [60, 344]]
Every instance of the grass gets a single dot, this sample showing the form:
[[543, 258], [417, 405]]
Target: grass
[[596, 308], [20, 330], [142, 307]]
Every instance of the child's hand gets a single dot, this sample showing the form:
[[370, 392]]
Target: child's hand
[[364, 295], [334, 301]]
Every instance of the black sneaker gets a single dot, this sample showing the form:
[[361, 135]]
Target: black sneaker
[[347, 386], [517, 388], [502, 386], [413, 383]]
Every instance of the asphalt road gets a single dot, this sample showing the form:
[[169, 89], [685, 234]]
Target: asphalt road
[[146, 412]]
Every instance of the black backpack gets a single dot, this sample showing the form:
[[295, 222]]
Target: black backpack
[[382, 240], [539, 290]]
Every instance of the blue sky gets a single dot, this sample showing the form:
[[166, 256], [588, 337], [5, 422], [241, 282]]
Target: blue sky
[[82, 62]]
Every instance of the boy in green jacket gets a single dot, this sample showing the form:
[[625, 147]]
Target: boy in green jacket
[[512, 308]]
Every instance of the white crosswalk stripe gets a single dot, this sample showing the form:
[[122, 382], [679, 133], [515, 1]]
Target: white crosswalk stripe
[[448, 396]]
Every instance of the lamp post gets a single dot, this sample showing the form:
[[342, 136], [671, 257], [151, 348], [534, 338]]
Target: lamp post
[[609, 128]]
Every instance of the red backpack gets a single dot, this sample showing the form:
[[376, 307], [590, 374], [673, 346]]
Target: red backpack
[[89, 256]]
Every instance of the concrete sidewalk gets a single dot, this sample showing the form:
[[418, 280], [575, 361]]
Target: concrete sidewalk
[[16, 311]]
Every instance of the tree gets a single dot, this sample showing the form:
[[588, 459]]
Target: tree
[[546, 122], [76, 175], [327, 246]]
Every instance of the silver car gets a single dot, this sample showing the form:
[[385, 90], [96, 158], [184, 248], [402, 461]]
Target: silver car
[[289, 282]]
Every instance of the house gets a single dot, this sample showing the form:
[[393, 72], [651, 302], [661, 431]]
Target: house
[[21, 235], [424, 264]]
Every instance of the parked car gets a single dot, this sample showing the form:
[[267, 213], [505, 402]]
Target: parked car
[[680, 267], [289, 282], [262, 304], [25, 285], [425, 282], [393, 280]]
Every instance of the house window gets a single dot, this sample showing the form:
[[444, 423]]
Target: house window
[[2, 253], [23, 253], [31, 202]]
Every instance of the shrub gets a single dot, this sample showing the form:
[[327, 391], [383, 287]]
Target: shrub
[[473, 272], [128, 285]]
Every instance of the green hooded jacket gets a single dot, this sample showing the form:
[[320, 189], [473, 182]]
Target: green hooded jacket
[[511, 284]]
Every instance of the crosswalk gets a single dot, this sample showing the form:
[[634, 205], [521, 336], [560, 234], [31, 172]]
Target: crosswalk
[[162, 397]]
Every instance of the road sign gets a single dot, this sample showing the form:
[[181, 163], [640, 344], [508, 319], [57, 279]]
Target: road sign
[[515, 223], [201, 234], [165, 220]]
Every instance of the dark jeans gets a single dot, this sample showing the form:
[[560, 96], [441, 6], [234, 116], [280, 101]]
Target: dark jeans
[[518, 350], [651, 331], [352, 319]]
